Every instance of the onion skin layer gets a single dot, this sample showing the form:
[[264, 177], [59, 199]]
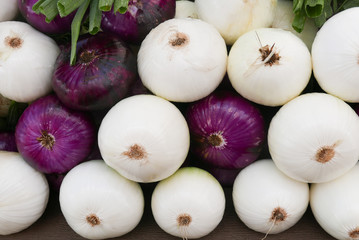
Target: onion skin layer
[[73, 133], [239, 122], [141, 17], [105, 70], [7, 142], [57, 26]]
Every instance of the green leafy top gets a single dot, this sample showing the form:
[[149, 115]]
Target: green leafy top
[[319, 10], [52, 8]]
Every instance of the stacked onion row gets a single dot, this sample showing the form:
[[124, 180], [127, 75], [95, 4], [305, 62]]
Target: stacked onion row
[[184, 112]]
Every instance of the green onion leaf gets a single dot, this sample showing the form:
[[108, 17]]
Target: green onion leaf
[[120, 6], [15, 111], [105, 5], [299, 21], [49, 9], [95, 17], [350, 4], [36, 6], [314, 8], [75, 28], [327, 13], [66, 7], [297, 6]]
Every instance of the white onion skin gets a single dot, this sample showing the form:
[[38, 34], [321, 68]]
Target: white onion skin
[[307, 124], [93, 187], [24, 193], [8, 10], [284, 17], [269, 85], [335, 55], [152, 123], [186, 8], [191, 191], [26, 71], [260, 188], [233, 18], [335, 204], [186, 72]]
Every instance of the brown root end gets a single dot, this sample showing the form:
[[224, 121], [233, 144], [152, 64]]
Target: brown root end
[[269, 57], [215, 140], [184, 220], [354, 234], [136, 152], [93, 220], [13, 42], [278, 215], [87, 56], [178, 40], [46, 139], [325, 154]]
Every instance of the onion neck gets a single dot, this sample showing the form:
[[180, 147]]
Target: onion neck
[[178, 40], [354, 234], [46, 140], [216, 140], [93, 220], [269, 56], [87, 56], [325, 154], [136, 152], [184, 220]]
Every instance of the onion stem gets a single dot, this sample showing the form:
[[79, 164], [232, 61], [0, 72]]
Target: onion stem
[[49, 9], [75, 28], [95, 18], [120, 6], [105, 5], [66, 7]]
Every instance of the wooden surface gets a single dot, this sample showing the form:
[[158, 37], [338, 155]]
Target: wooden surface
[[52, 225]]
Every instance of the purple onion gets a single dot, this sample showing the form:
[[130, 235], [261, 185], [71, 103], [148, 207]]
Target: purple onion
[[53, 138], [55, 180], [104, 71], [7, 142], [141, 17], [57, 26], [224, 176], [227, 131]]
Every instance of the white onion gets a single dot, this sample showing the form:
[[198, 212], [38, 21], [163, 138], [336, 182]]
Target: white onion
[[24, 193], [99, 203], [335, 205], [268, 201], [233, 18], [8, 10], [144, 137], [284, 17], [182, 59], [314, 138], [335, 55], [27, 59], [189, 204], [185, 9], [269, 66]]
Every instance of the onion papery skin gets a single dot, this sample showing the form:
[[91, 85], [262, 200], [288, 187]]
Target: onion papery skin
[[58, 25], [73, 135], [102, 75], [7, 142], [239, 123], [141, 17]]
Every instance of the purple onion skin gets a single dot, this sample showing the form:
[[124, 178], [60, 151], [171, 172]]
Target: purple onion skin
[[7, 142], [57, 26], [238, 122], [224, 176], [53, 138], [102, 75], [141, 17]]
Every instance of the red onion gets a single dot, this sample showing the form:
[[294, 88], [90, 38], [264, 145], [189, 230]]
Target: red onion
[[7, 142], [53, 138], [104, 71], [140, 18], [57, 26], [227, 131]]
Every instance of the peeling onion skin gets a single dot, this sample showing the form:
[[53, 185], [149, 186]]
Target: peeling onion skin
[[58, 25], [53, 138], [314, 138], [237, 121], [103, 74], [24, 193], [141, 17], [335, 205], [335, 56], [182, 60]]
